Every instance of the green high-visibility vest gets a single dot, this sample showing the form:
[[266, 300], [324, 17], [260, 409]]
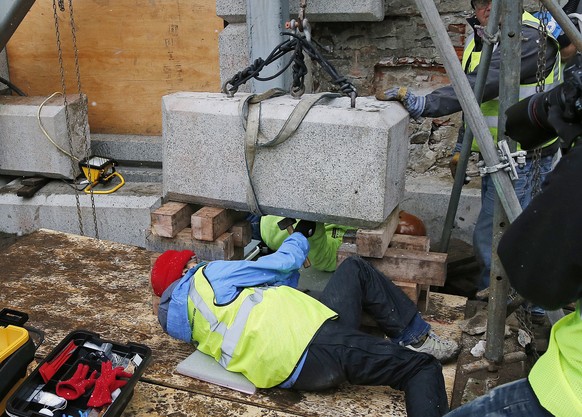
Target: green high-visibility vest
[[556, 377], [490, 109], [262, 333]]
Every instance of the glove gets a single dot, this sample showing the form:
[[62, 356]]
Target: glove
[[73, 388], [412, 103], [453, 163], [106, 384], [306, 228]]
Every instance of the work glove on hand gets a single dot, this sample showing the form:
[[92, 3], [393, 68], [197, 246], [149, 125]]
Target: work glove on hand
[[412, 103], [453, 163], [306, 228], [106, 384], [74, 387]]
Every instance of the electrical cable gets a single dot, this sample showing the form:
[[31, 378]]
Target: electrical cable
[[12, 86], [45, 132]]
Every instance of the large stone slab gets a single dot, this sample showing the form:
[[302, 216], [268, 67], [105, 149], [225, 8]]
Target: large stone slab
[[24, 148], [343, 164], [234, 11]]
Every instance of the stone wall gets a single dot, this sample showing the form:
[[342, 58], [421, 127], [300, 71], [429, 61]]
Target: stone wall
[[376, 55]]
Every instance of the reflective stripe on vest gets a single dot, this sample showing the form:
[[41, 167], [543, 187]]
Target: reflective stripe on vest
[[230, 336], [490, 109], [256, 333]]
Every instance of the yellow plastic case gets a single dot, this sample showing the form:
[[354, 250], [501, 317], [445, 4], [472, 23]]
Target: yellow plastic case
[[11, 339]]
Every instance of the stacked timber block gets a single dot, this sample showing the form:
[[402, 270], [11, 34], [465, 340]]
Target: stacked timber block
[[404, 259], [213, 233]]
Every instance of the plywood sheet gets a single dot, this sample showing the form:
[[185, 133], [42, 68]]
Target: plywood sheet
[[66, 282], [131, 53]]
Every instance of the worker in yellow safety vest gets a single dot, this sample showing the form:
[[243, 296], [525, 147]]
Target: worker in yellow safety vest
[[444, 101], [251, 319]]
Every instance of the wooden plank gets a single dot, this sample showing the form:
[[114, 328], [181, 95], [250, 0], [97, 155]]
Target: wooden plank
[[222, 248], [131, 53], [421, 243], [241, 233], [373, 242], [209, 223], [405, 265], [126, 315], [411, 289], [171, 218]]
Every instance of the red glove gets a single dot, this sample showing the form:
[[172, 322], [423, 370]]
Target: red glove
[[73, 388], [106, 384]]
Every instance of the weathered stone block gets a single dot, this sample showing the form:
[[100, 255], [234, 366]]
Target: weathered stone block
[[25, 150], [234, 11], [344, 165]]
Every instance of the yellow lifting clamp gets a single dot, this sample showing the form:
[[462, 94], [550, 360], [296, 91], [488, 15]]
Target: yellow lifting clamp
[[100, 170]]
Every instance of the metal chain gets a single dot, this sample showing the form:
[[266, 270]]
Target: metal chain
[[84, 115], [65, 103], [536, 178]]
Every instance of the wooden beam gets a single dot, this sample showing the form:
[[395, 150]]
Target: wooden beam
[[373, 242], [209, 223], [405, 265], [241, 233], [408, 242], [171, 218]]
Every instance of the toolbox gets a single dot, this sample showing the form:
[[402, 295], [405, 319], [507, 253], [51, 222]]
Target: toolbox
[[17, 350], [84, 376]]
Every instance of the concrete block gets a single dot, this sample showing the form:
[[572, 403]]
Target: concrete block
[[234, 11], [128, 148], [343, 165], [233, 53], [122, 217], [25, 150], [428, 198]]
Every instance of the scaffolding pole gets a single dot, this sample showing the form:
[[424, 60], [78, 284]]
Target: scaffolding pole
[[482, 71], [473, 115], [510, 68]]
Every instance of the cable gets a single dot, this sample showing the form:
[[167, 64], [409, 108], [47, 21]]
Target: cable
[[12, 86], [45, 132]]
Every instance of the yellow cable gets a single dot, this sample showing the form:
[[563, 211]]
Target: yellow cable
[[45, 132]]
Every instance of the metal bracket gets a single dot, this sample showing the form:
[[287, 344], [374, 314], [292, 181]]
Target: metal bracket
[[507, 163]]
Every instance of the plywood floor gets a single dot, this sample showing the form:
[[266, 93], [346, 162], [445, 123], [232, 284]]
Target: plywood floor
[[67, 282]]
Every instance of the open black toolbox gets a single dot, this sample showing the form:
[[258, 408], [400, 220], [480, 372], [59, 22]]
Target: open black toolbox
[[85, 351]]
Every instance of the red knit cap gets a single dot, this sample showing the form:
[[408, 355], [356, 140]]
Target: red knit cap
[[168, 268]]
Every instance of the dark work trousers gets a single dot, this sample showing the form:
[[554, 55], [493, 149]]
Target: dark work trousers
[[340, 352]]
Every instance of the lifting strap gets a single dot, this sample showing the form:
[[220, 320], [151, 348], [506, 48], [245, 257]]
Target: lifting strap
[[250, 111]]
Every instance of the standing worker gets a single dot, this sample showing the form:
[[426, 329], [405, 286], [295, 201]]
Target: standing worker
[[250, 319], [444, 101]]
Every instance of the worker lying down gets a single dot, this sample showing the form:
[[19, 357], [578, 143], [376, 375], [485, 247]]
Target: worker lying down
[[250, 318]]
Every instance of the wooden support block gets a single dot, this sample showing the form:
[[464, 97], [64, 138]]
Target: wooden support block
[[373, 242], [238, 254], [222, 248], [209, 223], [241, 233], [420, 243], [411, 289], [405, 265], [171, 218]]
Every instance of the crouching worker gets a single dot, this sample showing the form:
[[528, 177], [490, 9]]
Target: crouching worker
[[249, 317]]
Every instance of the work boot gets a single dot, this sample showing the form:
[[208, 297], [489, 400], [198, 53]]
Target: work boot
[[442, 349]]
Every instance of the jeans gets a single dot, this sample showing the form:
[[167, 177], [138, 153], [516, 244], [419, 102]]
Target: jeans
[[340, 352], [515, 399], [483, 234]]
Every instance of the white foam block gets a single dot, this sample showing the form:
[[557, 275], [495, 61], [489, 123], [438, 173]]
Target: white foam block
[[201, 366]]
